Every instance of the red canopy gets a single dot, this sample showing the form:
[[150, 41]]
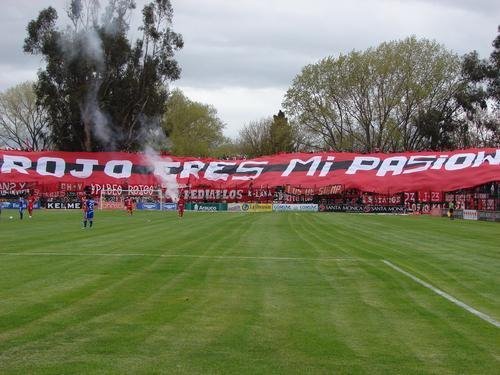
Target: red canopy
[[380, 173]]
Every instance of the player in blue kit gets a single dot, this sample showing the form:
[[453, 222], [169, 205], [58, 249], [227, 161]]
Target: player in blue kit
[[22, 205], [89, 211]]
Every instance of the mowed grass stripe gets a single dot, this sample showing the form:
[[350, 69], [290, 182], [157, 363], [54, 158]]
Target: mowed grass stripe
[[469, 271], [450, 298], [228, 305]]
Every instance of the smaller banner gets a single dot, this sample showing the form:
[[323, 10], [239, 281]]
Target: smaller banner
[[250, 207], [489, 215], [62, 205], [352, 208], [148, 206], [15, 188], [15, 205], [169, 206], [470, 214], [156, 206], [309, 207], [206, 207]]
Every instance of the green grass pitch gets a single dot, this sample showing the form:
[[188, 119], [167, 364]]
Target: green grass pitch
[[247, 293]]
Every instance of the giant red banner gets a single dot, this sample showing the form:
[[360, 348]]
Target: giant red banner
[[379, 173]]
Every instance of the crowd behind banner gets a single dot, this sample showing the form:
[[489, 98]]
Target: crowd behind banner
[[333, 198]]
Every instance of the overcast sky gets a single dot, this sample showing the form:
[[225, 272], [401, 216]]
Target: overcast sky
[[242, 55]]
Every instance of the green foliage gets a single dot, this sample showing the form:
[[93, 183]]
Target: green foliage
[[481, 96], [483, 76], [254, 138], [281, 135], [193, 128], [371, 100], [268, 136], [100, 90], [23, 123]]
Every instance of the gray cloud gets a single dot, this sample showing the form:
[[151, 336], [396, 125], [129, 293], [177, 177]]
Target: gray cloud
[[252, 45]]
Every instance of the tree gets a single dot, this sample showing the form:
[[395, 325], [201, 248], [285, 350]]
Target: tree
[[100, 90], [254, 138], [484, 75], [372, 100], [269, 136], [23, 123], [193, 128], [281, 134], [481, 96]]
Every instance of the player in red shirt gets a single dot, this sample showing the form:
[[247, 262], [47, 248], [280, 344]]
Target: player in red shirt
[[180, 206], [31, 204], [129, 206]]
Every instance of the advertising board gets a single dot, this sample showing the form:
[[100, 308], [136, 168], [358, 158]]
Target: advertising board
[[470, 215], [283, 207], [206, 207], [250, 207]]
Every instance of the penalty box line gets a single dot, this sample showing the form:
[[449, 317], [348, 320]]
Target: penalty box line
[[235, 257], [443, 294]]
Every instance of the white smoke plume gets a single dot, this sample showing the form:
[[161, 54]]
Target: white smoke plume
[[152, 138], [93, 116], [162, 169], [84, 42]]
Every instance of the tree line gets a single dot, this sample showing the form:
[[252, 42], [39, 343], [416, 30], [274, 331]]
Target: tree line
[[101, 91]]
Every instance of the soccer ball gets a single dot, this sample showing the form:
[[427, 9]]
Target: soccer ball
[[10, 217]]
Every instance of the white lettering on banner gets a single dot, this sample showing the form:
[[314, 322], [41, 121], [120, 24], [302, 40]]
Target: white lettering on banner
[[215, 166], [358, 164], [212, 194], [315, 160], [492, 160], [162, 168], [242, 168], [17, 163], [126, 167], [327, 166], [388, 166], [60, 166], [453, 165], [88, 168], [192, 168], [249, 169], [418, 160], [116, 189], [438, 164], [11, 186]]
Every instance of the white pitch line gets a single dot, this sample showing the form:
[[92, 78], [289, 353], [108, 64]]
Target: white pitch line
[[449, 297], [175, 256]]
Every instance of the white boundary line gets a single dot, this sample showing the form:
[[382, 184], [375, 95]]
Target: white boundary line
[[450, 298], [236, 257]]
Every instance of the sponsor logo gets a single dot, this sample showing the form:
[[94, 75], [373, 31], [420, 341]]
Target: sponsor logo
[[76, 205], [249, 207], [489, 216], [295, 207], [235, 207], [470, 214], [199, 207], [361, 209], [15, 205], [155, 206], [169, 206]]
